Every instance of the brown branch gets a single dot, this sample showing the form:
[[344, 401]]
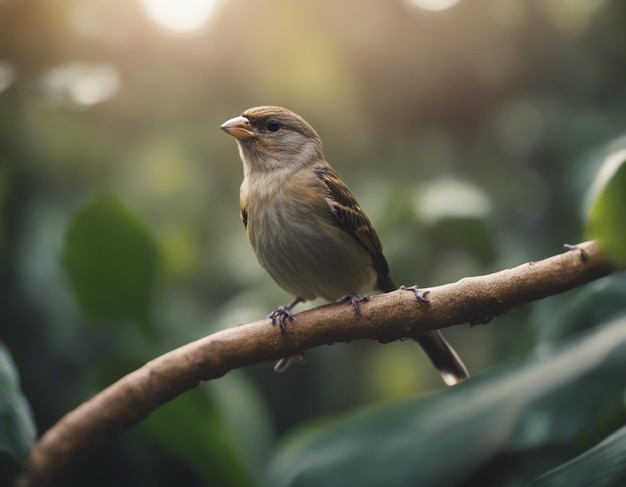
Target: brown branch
[[384, 318]]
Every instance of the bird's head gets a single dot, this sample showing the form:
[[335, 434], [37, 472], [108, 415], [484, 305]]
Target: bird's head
[[272, 138]]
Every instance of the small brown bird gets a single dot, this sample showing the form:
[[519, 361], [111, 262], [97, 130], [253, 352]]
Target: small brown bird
[[307, 229]]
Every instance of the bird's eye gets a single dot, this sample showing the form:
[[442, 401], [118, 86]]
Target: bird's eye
[[273, 125]]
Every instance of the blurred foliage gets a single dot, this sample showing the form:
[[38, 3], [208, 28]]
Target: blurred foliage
[[604, 465], [182, 428], [525, 415], [606, 222], [112, 261], [17, 431], [471, 135]]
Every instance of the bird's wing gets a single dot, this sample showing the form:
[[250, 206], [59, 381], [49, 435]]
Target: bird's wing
[[353, 220]]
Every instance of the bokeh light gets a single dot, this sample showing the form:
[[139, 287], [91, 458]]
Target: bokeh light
[[452, 198], [7, 75], [434, 5], [81, 84], [180, 17]]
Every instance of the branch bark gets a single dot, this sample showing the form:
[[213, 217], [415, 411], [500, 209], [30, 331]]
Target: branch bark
[[385, 318]]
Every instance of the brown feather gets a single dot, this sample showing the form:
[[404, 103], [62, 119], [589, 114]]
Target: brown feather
[[354, 220]]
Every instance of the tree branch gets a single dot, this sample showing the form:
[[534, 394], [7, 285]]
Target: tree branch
[[385, 318]]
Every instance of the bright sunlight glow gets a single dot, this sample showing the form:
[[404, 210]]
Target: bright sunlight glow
[[434, 5], [181, 16]]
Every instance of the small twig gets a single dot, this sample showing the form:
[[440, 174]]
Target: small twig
[[385, 318], [583, 252]]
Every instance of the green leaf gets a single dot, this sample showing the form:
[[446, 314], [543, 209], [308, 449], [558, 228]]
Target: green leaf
[[604, 465], [570, 313], [17, 429], [112, 259], [503, 427], [198, 429], [606, 222]]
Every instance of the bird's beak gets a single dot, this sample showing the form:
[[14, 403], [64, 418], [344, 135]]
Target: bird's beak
[[238, 127]]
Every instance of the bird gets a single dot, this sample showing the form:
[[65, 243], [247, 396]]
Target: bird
[[306, 227]]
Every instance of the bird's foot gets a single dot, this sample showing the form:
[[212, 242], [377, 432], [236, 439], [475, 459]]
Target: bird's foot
[[354, 299], [283, 313], [419, 295], [280, 315]]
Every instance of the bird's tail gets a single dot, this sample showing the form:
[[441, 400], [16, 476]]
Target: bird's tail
[[443, 357]]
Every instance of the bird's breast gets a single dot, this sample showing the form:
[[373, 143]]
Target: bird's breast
[[300, 243]]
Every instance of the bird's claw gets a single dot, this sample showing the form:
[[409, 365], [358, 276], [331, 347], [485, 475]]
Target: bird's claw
[[419, 295], [280, 315], [354, 299]]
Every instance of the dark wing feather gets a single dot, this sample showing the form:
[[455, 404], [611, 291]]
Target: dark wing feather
[[244, 215], [354, 220]]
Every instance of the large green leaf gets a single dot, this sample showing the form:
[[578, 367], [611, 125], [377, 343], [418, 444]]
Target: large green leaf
[[567, 314], [606, 222], [509, 424], [219, 430], [112, 259], [17, 429], [604, 465]]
